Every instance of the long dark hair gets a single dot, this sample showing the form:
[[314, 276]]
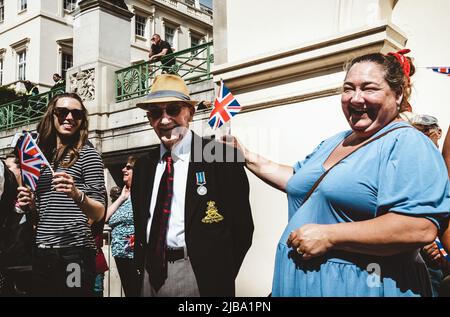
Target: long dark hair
[[47, 135]]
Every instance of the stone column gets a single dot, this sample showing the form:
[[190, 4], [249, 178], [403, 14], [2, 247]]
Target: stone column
[[101, 45]]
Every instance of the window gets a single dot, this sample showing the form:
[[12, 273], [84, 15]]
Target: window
[[2, 10], [66, 63], [70, 5], [1, 71], [195, 41], [190, 2], [169, 35], [22, 64], [140, 25], [23, 5]]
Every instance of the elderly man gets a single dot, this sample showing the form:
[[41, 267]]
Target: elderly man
[[191, 207]]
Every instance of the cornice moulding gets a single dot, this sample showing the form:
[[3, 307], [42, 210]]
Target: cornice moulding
[[309, 59]]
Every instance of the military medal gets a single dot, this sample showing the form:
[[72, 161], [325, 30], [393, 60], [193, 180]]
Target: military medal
[[201, 181]]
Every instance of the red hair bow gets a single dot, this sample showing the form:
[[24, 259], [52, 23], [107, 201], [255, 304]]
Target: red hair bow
[[399, 55]]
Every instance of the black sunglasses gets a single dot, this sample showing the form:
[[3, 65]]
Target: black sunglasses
[[128, 167], [62, 113], [172, 109]]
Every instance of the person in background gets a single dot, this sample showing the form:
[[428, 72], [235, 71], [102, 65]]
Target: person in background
[[101, 266], [429, 126], [365, 200], [158, 52], [16, 234], [30, 89], [58, 80], [120, 218], [437, 264], [446, 151], [65, 200], [114, 193]]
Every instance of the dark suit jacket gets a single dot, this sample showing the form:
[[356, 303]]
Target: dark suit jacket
[[216, 250]]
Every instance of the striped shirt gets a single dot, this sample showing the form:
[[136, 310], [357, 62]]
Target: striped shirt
[[61, 221]]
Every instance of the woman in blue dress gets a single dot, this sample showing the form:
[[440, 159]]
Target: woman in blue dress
[[359, 232], [120, 218]]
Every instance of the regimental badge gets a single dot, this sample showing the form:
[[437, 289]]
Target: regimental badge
[[212, 213], [201, 181]]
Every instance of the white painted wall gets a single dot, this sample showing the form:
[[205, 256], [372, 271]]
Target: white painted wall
[[29, 30], [49, 56], [258, 26], [43, 24]]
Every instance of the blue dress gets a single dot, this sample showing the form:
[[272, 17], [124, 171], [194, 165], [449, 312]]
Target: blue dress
[[122, 225], [402, 172]]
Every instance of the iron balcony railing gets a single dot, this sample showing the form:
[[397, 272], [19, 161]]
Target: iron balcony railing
[[193, 65], [26, 110]]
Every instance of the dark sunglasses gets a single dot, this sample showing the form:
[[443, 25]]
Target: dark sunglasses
[[62, 113], [172, 109], [128, 167]]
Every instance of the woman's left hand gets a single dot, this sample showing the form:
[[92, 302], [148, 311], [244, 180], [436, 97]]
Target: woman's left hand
[[63, 182], [311, 240]]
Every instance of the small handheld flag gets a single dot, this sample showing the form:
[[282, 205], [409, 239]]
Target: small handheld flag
[[441, 70], [31, 160], [225, 107], [441, 249]]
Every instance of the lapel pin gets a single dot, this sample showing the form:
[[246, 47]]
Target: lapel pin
[[212, 213]]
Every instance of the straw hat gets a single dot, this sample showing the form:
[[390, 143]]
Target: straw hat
[[165, 88]]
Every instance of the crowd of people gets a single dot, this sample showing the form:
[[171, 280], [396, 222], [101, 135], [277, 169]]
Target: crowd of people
[[374, 197]]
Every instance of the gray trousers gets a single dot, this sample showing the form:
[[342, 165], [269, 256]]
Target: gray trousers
[[180, 281]]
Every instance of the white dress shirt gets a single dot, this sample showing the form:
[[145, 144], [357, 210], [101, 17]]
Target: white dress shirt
[[181, 153]]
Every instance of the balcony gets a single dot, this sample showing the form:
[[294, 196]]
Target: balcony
[[25, 111], [193, 65]]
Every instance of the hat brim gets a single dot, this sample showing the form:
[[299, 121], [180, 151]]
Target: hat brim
[[145, 104]]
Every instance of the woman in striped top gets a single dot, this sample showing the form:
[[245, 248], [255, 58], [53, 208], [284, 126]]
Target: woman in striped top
[[64, 256]]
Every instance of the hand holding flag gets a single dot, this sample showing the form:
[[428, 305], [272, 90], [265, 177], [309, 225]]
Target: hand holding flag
[[225, 107], [31, 160]]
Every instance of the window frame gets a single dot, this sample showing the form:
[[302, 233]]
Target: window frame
[[2, 11], [22, 65], [64, 64], [23, 5], [1, 70], [142, 24], [69, 5], [166, 27]]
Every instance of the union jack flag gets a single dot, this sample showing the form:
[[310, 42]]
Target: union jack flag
[[31, 160], [225, 107], [441, 249], [441, 70]]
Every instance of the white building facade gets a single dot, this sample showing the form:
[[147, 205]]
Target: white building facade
[[36, 36]]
